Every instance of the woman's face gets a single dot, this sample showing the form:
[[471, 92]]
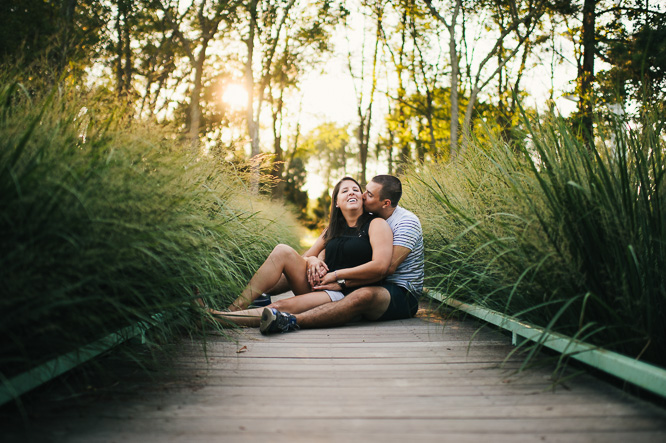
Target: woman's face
[[349, 195]]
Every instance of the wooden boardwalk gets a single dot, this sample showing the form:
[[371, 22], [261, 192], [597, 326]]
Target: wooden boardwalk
[[422, 379]]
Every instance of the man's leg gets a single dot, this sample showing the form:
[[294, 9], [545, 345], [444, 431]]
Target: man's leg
[[370, 303]]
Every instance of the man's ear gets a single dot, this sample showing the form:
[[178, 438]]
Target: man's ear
[[387, 203]]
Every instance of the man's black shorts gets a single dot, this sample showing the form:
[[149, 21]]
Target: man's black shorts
[[403, 304]]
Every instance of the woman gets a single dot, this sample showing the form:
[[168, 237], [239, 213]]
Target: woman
[[356, 247]]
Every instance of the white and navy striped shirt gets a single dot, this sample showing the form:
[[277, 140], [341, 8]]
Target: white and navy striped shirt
[[407, 232]]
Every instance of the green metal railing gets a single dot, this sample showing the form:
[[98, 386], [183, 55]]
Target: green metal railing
[[643, 375], [13, 388]]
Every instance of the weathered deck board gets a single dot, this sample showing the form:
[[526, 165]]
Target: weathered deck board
[[411, 380]]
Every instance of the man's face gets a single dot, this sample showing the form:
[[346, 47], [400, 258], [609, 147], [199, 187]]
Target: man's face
[[371, 200]]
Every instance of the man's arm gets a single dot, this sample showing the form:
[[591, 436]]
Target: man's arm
[[399, 255], [404, 243]]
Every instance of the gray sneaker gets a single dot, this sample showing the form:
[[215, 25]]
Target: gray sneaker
[[273, 320]]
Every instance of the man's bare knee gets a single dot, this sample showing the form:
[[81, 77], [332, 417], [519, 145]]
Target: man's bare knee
[[370, 302]]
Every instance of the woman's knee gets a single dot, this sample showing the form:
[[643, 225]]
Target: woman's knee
[[283, 252], [282, 249]]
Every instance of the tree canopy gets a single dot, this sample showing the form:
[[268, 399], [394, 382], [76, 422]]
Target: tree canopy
[[427, 74]]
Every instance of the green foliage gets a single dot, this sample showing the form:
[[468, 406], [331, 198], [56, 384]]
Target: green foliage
[[638, 58], [293, 191], [328, 143], [26, 27], [410, 125], [557, 235], [103, 224], [64, 33], [321, 211]]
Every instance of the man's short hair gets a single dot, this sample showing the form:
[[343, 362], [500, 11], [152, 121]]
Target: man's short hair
[[391, 188]]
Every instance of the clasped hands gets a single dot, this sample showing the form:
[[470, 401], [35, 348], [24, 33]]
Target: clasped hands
[[318, 276]]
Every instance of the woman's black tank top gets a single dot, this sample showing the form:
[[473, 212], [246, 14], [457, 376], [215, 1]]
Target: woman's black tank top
[[350, 249]]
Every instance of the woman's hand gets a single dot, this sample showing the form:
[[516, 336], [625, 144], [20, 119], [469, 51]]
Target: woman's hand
[[316, 269], [328, 281]]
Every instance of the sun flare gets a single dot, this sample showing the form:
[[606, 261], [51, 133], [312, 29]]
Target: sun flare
[[235, 96]]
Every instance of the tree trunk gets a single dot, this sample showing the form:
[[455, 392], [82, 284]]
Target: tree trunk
[[390, 152], [278, 160], [67, 15], [195, 98], [455, 66], [252, 124], [127, 49], [586, 74], [431, 128], [124, 68], [363, 152], [467, 121], [405, 151], [365, 140], [119, 49]]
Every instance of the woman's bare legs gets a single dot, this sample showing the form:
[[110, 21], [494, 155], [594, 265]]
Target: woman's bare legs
[[281, 287], [246, 317], [293, 305], [282, 260]]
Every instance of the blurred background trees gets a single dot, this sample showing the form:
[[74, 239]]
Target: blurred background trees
[[426, 74]]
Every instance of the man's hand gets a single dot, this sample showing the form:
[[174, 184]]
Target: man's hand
[[316, 270], [329, 282]]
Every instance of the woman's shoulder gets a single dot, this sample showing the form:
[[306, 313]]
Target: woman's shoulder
[[368, 218], [380, 229], [377, 221]]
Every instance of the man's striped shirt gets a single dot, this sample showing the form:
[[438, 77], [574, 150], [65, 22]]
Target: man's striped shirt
[[407, 232]]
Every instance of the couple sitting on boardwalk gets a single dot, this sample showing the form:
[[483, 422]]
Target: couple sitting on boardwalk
[[368, 263]]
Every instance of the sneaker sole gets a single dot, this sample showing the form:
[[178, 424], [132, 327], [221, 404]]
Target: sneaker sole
[[267, 319]]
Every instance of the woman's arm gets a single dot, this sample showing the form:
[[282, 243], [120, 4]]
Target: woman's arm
[[381, 240]]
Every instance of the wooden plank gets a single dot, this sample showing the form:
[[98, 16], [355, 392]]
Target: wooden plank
[[346, 408], [468, 402], [415, 379], [327, 378], [353, 429]]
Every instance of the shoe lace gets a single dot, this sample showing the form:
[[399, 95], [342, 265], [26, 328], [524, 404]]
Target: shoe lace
[[286, 322]]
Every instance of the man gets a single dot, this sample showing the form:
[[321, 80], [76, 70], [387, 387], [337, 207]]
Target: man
[[394, 298]]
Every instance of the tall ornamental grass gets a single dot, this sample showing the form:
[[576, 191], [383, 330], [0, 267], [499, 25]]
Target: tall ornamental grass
[[566, 237], [105, 222]]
